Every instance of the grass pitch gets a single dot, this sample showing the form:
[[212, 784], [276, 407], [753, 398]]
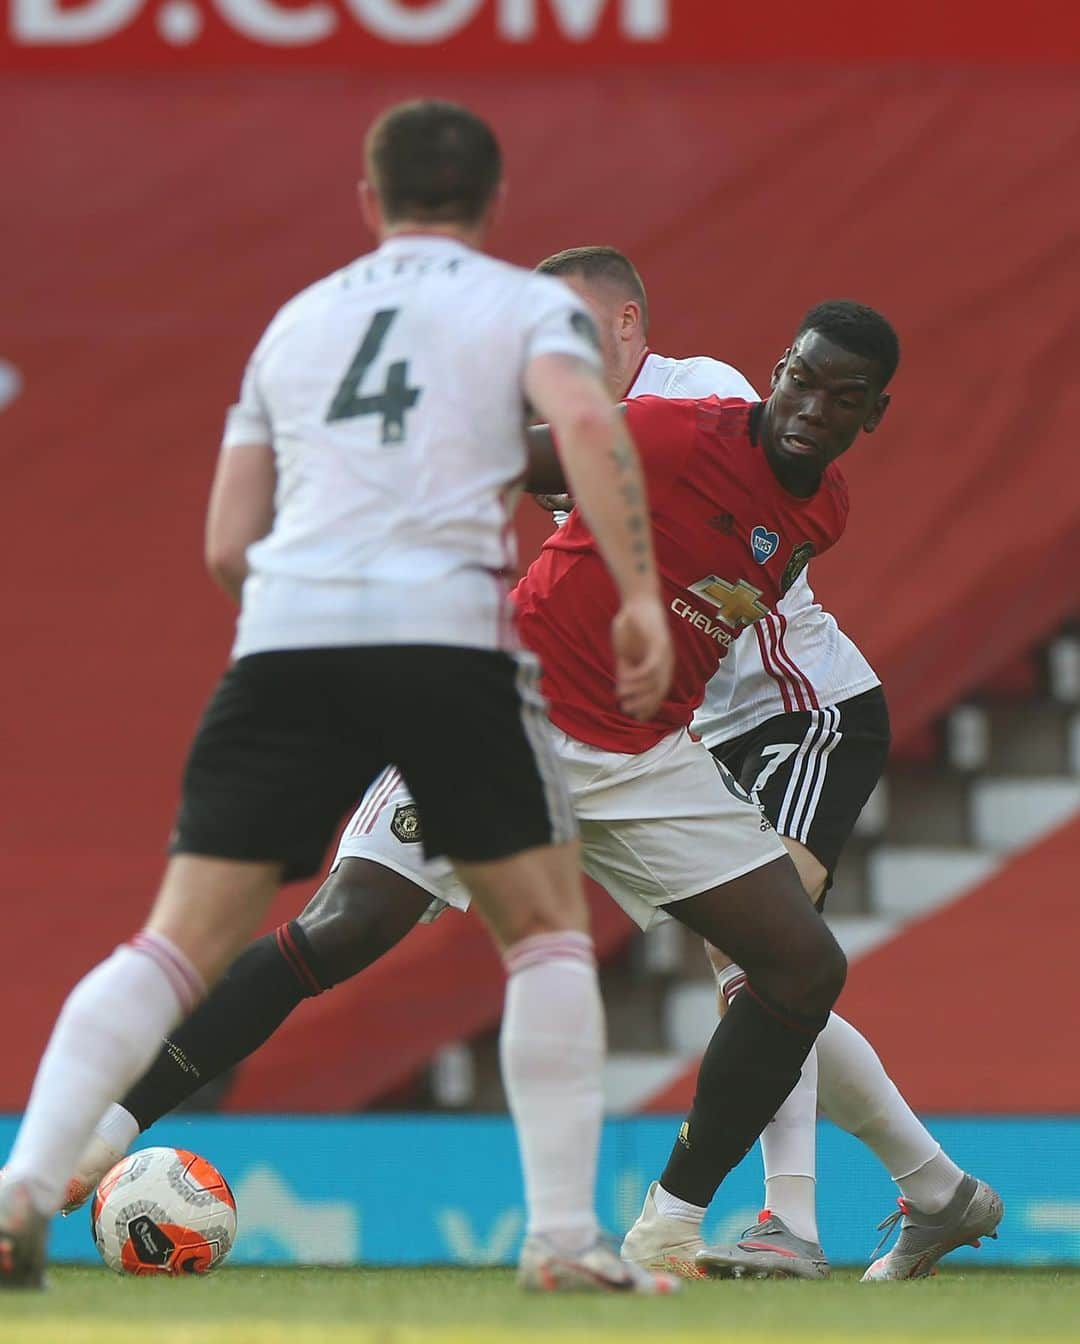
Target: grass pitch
[[456, 1306]]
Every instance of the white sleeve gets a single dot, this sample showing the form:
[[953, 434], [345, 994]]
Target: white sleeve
[[704, 377], [248, 420], [558, 323]]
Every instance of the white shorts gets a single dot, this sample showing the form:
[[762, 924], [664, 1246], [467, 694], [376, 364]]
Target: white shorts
[[655, 828]]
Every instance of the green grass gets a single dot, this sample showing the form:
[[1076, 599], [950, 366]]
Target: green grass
[[455, 1306]]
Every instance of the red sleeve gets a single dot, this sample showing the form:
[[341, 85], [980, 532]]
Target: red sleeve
[[664, 429]]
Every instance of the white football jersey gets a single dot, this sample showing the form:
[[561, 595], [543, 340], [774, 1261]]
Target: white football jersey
[[795, 658], [391, 392]]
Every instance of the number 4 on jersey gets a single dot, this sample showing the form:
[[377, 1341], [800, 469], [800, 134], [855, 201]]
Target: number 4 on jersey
[[396, 397]]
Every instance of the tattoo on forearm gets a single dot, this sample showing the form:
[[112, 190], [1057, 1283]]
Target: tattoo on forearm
[[633, 497]]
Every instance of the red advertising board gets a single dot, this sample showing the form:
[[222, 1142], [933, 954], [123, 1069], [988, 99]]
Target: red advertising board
[[442, 36]]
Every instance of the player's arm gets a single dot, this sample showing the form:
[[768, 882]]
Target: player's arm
[[544, 475], [603, 473], [241, 511]]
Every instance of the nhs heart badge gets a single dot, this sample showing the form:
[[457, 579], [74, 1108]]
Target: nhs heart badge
[[763, 544]]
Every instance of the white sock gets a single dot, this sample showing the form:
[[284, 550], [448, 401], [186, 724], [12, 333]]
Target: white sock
[[118, 1128], [671, 1206], [931, 1186], [107, 1033], [857, 1094], [552, 1053], [789, 1153]]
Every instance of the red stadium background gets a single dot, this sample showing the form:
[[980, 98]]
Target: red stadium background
[[162, 198]]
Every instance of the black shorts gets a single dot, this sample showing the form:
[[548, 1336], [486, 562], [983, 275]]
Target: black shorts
[[813, 770], [290, 740]]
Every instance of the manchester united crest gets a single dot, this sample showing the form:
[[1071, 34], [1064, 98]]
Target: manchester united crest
[[800, 557], [405, 824]]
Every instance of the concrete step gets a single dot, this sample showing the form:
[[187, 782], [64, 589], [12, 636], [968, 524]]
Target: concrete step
[[927, 807], [909, 880], [1008, 813], [1030, 737]]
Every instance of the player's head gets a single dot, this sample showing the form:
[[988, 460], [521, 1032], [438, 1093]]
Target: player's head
[[830, 384], [608, 282], [432, 164]]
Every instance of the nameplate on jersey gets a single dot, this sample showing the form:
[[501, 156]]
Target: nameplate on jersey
[[738, 603], [763, 544]]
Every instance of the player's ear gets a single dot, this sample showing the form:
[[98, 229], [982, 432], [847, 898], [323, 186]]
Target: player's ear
[[877, 414], [370, 207], [779, 367], [630, 320]]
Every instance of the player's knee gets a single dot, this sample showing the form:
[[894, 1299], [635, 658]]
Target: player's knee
[[826, 972], [511, 925], [359, 913]]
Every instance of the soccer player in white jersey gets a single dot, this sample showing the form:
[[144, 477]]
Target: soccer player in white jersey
[[361, 514], [825, 751]]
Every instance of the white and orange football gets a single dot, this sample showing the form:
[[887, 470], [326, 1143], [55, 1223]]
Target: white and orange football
[[163, 1211]]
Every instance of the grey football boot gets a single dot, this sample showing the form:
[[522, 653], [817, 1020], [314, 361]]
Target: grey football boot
[[973, 1212], [768, 1250]]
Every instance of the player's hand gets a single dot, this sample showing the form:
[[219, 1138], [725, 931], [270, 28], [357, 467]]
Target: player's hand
[[555, 503], [644, 657]]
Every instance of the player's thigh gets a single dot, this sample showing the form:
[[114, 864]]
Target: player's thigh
[[274, 766], [534, 892], [813, 771], [387, 830], [763, 920], [380, 884], [813, 874], [360, 912], [665, 825], [210, 907]]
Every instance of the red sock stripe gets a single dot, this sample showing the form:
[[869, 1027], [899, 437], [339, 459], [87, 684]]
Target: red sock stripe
[[544, 947], [732, 987], [291, 952], [801, 1027], [186, 982]]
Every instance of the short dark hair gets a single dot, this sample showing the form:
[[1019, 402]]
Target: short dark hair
[[601, 263], [433, 161], [858, 329]]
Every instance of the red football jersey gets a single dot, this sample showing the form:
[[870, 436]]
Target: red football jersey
[[729, 539]]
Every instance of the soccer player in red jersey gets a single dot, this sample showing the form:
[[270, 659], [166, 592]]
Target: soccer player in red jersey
[[741, 494]]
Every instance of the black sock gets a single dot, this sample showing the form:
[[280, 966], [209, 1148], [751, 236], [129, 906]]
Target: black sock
[[749, 1067], [255, 995]]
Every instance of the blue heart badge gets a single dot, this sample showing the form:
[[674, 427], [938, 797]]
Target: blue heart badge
[[763, 544]]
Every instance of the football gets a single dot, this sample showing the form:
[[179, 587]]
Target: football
[[163, 1211]]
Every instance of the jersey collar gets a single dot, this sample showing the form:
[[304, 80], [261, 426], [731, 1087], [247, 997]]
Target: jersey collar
[[420, 242]]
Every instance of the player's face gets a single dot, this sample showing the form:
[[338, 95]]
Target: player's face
[[823, 396]]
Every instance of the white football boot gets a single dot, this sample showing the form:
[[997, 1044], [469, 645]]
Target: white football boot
[[656, 1242], [598, 1269], [98, 1158], [23, 1233]]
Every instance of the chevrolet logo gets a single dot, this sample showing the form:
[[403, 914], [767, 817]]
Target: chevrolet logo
[[738, 603]]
